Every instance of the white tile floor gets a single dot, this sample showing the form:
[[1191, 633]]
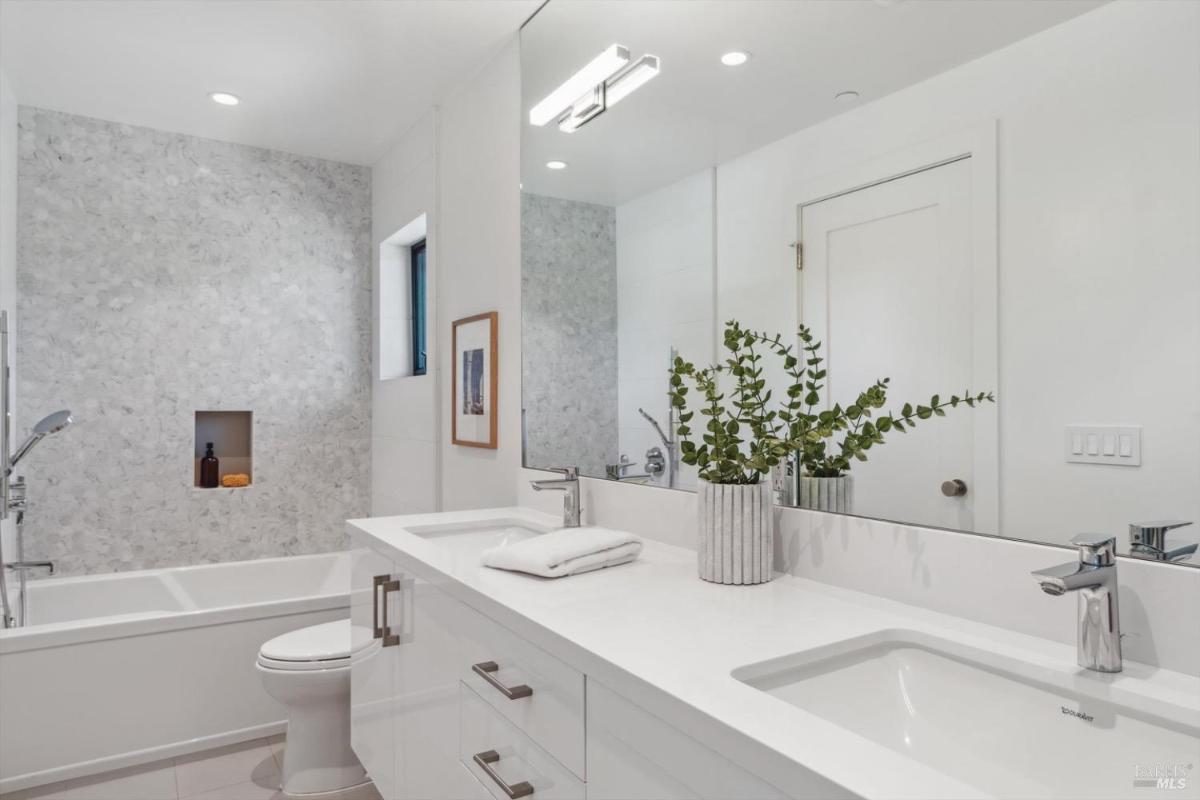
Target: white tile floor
[[246, 771]]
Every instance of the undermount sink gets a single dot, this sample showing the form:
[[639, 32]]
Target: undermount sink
[[1006, 727], [466, 540]]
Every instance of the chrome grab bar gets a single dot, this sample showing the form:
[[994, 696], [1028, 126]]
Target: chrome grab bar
[[485, 670], [513, 790]]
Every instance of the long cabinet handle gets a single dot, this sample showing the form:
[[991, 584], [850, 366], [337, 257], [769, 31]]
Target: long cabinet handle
[[486, 670], [513, 790], [376, 582], [389, 639]]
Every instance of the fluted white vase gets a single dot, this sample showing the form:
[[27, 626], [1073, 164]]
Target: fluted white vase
[[737, 532], [825, 494]]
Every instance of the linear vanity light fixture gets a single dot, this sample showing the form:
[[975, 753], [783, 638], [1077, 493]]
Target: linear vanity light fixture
[[583, 110], [598, 70], [612, 91], [628, 80]]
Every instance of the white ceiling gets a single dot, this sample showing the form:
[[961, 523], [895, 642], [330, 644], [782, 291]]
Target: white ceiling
[[336, 79], [698, 113]]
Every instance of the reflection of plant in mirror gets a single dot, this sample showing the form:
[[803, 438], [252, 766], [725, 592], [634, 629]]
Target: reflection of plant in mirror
[[743, 440]]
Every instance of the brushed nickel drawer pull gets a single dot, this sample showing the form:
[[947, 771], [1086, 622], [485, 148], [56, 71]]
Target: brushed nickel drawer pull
[[484, 669], [389, 639], [513, 790], [376, 582]]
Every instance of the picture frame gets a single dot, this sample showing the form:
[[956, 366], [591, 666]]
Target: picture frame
[[475, 380]]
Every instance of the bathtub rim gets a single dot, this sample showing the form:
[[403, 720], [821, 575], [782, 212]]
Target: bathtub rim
[[92, 629]]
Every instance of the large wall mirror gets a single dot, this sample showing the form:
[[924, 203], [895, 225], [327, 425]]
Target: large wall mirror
[[994, 197]]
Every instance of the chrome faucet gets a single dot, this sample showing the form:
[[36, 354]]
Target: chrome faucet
[[1149, 540], [1094, 577], [569, 486]]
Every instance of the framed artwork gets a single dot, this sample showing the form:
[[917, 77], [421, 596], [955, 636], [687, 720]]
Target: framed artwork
[[475, 381]]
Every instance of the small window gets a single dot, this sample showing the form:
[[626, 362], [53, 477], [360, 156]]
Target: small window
[[417, 270]]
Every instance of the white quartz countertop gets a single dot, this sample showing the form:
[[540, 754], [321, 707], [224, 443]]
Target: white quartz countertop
[[655, 633]]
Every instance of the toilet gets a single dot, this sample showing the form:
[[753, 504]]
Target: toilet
[[308, 670]]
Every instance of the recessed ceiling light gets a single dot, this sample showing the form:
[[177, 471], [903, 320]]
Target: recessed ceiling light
[[735, 58], [556, 165], [846, 98], [225, 98]]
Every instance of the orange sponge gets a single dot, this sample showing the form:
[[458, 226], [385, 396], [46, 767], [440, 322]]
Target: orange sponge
[[235, 480]]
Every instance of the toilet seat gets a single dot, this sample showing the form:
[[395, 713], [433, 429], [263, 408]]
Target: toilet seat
[[330, 645]]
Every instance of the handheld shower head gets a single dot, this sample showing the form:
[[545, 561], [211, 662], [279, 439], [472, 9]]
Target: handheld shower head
[[665, 440], [47, 426]]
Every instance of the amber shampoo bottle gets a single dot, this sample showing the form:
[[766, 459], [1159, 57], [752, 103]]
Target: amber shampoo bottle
[[209, 473]]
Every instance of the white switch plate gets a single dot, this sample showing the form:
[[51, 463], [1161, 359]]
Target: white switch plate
[[1104, 444]]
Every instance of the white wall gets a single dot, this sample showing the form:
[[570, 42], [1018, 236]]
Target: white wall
[[1099, 287], [665, 277], [460, 166], [479, 258], [8, 254], [404, 411]]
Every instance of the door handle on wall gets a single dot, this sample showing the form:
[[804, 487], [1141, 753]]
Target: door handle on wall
[[954, 488]]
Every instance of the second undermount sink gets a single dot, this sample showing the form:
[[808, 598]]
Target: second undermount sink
[[1008, 728]]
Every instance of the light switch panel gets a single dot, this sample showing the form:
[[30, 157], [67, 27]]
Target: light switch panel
[[1104, 444]]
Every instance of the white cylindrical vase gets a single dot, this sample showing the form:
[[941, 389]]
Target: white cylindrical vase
[[825, 494], [737, 532]]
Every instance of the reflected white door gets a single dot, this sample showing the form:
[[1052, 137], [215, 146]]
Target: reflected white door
[[887, 286]]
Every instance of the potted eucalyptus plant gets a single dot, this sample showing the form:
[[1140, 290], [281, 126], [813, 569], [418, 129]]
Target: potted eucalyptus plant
[[744, 433]]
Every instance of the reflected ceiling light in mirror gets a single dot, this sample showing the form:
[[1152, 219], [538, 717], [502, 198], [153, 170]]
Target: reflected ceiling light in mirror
[[735, 58], [628, 80], [847, 97], [224, 98], [556, 165], [596, 72]]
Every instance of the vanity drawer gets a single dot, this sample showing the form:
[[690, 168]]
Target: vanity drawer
[[505, 760], [532, 689]]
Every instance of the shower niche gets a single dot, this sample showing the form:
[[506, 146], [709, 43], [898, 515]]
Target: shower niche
[[231, 435]]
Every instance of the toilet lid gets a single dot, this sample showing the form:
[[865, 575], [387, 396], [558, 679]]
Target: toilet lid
[[329, 641]]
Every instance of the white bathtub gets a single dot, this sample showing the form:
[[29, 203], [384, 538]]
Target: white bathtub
[[123, 669]]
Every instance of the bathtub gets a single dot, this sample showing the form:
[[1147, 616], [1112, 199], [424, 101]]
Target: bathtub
[[123, 669]]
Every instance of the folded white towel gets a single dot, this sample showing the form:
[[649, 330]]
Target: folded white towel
[[568, 551]]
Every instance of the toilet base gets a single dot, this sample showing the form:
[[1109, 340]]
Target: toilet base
[[317, 758]]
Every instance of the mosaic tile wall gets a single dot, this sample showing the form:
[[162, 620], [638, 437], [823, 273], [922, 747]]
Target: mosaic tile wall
[[160, 274]]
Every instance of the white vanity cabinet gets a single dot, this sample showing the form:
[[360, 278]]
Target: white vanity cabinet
[[449, 704], [372, 671], [404, 686], [440, 679], [633, 755]]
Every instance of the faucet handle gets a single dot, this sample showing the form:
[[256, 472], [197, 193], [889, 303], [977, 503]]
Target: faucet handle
[[1096, 549], [1149, 540], [571, 473], [1155, 526]]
